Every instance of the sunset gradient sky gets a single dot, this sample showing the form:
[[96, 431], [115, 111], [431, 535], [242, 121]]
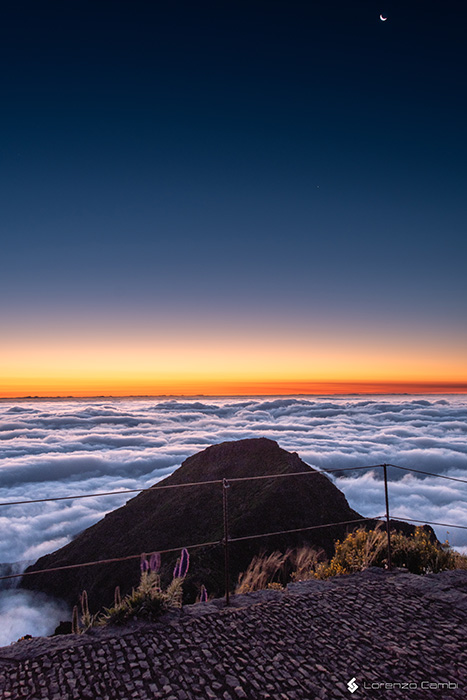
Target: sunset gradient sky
[[233, 197]]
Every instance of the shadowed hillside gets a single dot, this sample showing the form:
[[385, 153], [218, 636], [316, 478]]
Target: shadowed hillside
[[163, 519]]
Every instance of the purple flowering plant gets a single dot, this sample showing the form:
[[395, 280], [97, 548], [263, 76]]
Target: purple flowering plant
[[181, 567], [155, 562], [149, 600]]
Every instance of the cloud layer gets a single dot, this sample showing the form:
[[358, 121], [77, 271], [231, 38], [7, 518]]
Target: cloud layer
[[24, 612], [61, 448]]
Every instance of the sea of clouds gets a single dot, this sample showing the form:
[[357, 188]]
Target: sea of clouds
[[60, 448]]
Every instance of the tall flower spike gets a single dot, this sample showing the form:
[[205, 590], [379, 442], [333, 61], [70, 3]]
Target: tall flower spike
[[155, 562], [84, 603], [75, 621], [203, 596], [177, 569], [144, 563], [184, 563], [117, 597]]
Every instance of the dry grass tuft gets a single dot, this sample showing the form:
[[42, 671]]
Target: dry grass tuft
[[375, 543], [261, 572], [304, 562]]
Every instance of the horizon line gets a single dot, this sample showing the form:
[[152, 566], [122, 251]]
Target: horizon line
[[248, 389], [70, 397]]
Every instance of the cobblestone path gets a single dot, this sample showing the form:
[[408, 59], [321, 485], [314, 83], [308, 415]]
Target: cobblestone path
[[308, 642]]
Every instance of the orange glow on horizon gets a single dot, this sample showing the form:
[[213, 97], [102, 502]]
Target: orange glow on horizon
[[273, 388], [236, 361]]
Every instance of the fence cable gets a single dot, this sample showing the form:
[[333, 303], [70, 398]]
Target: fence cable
[[301, 529], [419, 471], [157, 487], [221, 542], [177, 549], [427, 522], [105, 561]]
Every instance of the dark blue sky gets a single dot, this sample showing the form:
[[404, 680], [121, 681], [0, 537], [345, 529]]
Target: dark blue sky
[[281, 160]]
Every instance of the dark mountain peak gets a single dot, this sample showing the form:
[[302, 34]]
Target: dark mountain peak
[[236, 459], [161, 519]]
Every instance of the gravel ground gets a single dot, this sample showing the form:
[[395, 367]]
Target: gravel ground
[[380, 630]]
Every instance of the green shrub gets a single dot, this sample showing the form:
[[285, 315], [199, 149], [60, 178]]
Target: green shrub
[[148, 601]]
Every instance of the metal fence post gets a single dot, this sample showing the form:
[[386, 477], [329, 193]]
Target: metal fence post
[[225, 508], [387, 515]]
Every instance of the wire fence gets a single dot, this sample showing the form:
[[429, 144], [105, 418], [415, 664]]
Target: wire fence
[[98, 494], [227, 539]]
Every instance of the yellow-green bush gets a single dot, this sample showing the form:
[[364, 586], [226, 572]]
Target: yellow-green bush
[[360, 549], [417, 553]]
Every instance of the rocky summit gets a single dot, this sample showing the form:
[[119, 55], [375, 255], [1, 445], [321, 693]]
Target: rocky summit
[[161, 519]]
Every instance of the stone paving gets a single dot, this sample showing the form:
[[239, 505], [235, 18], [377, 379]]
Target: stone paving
[[380, 630]]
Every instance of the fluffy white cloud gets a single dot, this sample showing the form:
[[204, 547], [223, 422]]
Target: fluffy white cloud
[[57, 448], [24, 612], [74, 447]]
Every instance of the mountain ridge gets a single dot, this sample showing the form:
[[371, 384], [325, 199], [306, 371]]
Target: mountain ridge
[[161, 519]]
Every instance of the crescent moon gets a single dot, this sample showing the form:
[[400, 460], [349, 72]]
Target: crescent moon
[[383, 19]]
